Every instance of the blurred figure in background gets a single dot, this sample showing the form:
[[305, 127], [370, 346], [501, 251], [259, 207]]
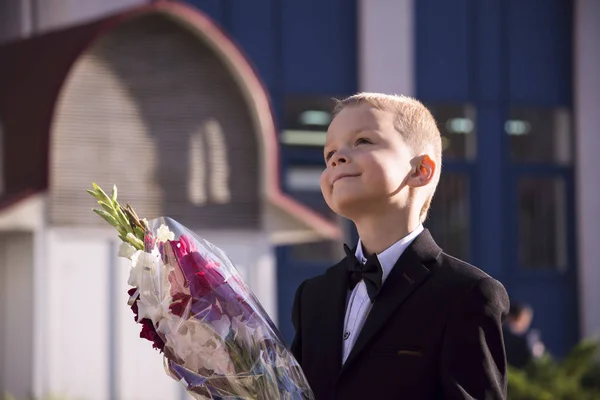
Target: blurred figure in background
[[522, 343]]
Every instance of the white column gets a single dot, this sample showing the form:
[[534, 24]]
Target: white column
[[16, 307], [386, 43], [587, 123]]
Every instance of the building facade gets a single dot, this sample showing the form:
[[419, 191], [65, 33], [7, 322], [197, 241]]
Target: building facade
[[514, 86]]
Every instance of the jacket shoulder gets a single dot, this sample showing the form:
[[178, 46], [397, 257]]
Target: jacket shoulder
[[460, 273], [466, 287]]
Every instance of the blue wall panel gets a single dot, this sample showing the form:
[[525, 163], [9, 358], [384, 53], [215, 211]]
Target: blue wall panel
[[513, 52], [488, 58], [255, 27], [297, 47], [212, 8], [540, 45], [319, 46], [443, 49]]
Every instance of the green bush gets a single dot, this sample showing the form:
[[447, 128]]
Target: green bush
[[576, 377]]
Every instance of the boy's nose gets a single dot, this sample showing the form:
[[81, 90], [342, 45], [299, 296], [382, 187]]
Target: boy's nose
[[339, 158]]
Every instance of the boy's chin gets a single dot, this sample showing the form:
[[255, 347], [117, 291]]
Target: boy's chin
[[351, 206]]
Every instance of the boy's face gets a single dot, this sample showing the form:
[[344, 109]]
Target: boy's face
[[367, 162]]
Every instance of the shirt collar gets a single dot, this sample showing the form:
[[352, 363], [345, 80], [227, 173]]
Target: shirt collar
[[390, 256]]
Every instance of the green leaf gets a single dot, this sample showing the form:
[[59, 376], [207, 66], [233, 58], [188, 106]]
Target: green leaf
[[92, 192], [109, 218], [134, 241], [121, 230], [114, 194], [109, 209], [101, 195], [126, 223], [139, 232]]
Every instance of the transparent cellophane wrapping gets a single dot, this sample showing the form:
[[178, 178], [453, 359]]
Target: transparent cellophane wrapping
[[218, 340]]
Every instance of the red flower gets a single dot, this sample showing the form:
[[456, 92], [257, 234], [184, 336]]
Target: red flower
[[179, 303], [149, 333], [134, 306]]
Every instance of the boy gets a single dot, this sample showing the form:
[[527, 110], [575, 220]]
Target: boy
[[397, 318]]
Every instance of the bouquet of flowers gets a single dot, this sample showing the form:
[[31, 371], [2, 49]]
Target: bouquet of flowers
[[216, 338]]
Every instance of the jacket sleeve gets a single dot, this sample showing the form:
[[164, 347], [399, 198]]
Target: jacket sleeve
[[296, 318], [473, 360]]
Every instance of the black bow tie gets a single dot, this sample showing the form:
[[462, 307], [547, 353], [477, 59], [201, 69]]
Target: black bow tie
[[371, 272]]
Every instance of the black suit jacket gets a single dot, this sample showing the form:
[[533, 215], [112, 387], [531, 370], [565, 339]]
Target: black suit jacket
[[434, 332]]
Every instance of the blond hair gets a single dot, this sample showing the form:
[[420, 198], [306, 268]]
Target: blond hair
[[413, 121]]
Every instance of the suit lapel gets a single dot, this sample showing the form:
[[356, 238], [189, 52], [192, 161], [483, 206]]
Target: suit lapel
[[332, 315], [409, 272]]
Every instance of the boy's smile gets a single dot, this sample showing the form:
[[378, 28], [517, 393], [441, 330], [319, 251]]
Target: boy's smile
[[341, 176], [367, 162]]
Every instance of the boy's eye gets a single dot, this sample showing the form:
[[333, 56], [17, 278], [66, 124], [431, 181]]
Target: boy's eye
[[362, 141], [328, 156]]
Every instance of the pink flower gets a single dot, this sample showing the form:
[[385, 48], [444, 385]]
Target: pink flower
[[179, 284], [149, 241], [201, 275], [183, 246]]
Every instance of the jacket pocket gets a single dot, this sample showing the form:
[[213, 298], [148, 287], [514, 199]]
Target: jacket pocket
[[401, 351]]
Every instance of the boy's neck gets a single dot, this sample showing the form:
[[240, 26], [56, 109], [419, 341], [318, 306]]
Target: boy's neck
[[378, 233]]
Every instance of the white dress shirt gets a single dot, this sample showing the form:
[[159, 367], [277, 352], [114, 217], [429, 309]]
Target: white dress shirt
[[359, 305]]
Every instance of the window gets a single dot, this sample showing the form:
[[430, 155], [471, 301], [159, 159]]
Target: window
[[208, 179], [306, 120], [542, 223], [539, 135], [303, 183], [449, 216], [456, 123], [539, 145]]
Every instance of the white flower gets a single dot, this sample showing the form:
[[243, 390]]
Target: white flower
[[197, 345], [243, 332], [148, 309], [137, 268], [222, 326], [248, 332], [163, 234], [126, 250], [143, 262]]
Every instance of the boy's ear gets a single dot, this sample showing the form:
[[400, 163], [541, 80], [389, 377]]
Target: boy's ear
[[423, 171]]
